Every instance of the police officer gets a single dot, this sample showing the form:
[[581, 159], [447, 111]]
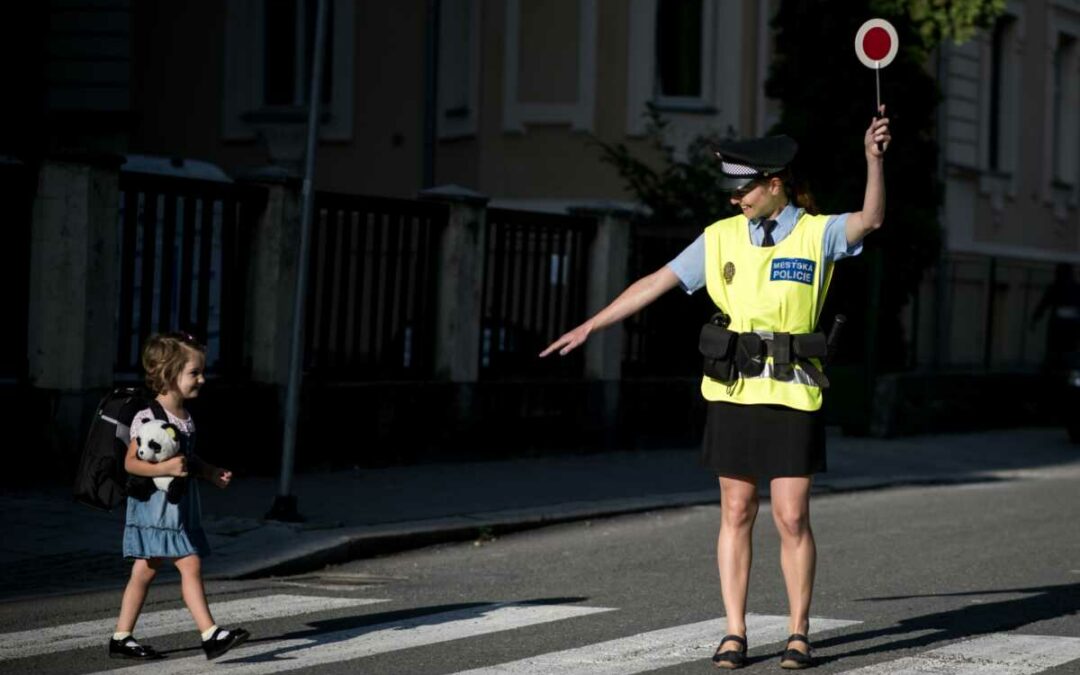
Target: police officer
[[768, 271]]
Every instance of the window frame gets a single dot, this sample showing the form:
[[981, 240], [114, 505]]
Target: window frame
[[244, 111], [579, 114], [1061, 191], [705, 102]]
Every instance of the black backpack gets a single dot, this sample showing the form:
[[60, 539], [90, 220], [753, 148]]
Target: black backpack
[[101, 481]]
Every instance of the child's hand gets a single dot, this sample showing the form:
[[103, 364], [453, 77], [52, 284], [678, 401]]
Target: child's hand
[[174, 466], [220, 477]]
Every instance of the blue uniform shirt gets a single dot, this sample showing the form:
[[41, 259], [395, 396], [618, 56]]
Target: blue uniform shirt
[[689, 266]]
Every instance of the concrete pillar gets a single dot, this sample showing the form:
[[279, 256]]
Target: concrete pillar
[[272, 279], [461, 274], [609, 257], [74, 289]]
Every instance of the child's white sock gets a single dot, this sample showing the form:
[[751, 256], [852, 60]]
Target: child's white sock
[[209, 633], [121, 635]]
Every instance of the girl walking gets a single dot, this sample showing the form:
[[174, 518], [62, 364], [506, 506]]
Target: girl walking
[[767, 270], [157, 529]]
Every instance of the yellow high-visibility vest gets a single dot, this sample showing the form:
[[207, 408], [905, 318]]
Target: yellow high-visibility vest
[[777, 288]]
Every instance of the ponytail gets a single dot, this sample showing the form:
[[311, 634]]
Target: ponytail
[[798, 192]]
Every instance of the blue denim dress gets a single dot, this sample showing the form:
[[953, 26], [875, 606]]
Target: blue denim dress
[[155, 528]]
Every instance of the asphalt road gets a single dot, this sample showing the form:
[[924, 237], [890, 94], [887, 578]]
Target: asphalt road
[[977, 578]]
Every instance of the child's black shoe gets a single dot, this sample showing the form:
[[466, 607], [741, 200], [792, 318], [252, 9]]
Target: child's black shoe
[[223, 640], [128, 648]]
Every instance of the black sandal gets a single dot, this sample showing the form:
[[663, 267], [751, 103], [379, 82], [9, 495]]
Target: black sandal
[[730, 659], [793, 659]]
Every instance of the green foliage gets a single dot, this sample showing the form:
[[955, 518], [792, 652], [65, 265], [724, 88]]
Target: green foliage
[[828, 101], [936, 21], [680, 194]]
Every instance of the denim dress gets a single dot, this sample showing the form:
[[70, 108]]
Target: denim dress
[[155, 528]]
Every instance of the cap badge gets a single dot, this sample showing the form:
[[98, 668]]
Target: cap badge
[[729, 272]]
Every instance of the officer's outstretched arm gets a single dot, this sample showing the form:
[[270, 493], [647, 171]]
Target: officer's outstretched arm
[[862, 223], [635, 298]]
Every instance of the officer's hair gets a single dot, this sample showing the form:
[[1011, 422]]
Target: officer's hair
[[164, 356], [798, 191]]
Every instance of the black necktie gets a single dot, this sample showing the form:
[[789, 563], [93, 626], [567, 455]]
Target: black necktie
[[768, 226]]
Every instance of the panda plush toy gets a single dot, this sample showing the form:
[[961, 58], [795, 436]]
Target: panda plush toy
[[158, 441]]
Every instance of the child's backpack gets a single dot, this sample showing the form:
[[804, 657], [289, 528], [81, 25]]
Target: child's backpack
[[101, 481]]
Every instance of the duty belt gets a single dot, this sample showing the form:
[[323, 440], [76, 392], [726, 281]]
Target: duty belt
[[730, 355]]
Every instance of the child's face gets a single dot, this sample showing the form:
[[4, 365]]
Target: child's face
[[191, 378]]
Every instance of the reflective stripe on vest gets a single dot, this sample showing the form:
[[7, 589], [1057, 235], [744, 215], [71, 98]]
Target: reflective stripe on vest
[[779, 288]]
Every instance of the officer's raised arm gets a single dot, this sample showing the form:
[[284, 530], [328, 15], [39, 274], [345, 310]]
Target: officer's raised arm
[[635, 298], [872, 215]]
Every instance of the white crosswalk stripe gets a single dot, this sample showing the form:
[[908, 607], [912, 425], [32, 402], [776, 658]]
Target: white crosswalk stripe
[[344, 645], [652, 650], [96, 633], [995, 654]]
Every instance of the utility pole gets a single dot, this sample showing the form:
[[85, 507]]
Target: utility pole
[[284, 507]]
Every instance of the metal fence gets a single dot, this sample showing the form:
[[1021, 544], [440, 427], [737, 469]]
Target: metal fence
[[661, 340], [184, 262], [372, 289], [534, 290], [18, 184], [993, 315]]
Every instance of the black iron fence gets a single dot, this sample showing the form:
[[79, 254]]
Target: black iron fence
[[661, 340], [372, 287], [534, 290], [184, 262], [18, 183]]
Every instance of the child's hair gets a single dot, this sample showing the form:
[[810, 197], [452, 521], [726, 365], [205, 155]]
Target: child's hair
[[164, 356]]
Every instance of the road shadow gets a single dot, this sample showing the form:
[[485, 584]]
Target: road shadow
[[1039, 603]]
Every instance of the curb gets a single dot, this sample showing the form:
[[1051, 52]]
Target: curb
[[358, 542], [371, 541]]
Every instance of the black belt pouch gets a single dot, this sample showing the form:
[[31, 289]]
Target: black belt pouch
[[717, 345]]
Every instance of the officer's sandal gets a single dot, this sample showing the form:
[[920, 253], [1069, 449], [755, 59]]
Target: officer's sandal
[[793, 659], [731, 658]]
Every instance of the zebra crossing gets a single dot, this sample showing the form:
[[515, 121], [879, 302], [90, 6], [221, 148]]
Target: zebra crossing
[[1010, 653]]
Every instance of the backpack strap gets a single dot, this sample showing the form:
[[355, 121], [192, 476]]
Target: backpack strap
[[159, 412]]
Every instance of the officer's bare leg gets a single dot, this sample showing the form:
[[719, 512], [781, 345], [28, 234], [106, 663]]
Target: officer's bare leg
[[790, 499], [738, 508]]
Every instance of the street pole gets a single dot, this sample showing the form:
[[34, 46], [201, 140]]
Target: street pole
[[284, 507]]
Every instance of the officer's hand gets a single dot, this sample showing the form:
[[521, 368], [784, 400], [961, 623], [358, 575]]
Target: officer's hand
[[569, 341], [877, 132]]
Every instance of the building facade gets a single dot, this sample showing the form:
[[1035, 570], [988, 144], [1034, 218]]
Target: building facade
[[505, 97]]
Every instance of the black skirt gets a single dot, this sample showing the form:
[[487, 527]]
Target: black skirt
[[763, 441]]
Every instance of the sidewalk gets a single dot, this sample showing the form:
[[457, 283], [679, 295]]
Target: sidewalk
[[52, 545]]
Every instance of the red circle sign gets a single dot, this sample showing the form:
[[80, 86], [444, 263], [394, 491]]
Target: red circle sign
[[876, 43]]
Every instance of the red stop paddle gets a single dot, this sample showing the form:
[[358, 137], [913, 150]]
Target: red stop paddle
[[876, 45]]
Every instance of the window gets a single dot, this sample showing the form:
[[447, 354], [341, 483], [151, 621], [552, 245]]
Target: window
[[269, 46], [1066, 140], [676, 60], [288, 49], [678, 49]]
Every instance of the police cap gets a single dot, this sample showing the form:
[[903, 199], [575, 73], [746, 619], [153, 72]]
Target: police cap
[[743, 162]]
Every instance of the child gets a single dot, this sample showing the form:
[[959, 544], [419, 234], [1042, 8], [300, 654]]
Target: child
[[157, 530]]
